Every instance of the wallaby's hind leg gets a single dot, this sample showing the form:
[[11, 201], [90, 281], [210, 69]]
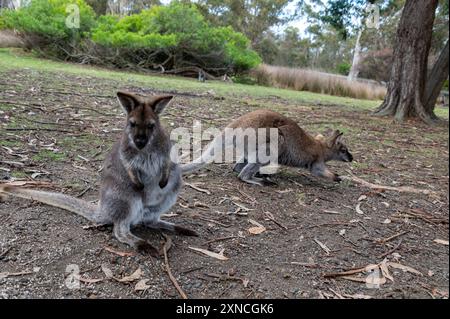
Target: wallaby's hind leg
[[238, 167], [123, 234], [179, 230], [248, 175]]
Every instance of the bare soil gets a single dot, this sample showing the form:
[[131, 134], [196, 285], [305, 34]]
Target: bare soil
[[57, 128]]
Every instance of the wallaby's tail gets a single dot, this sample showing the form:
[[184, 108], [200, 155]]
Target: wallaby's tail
[[207, 156], [72, 204]]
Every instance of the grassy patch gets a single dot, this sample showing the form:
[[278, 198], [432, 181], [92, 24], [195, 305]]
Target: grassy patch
[[17, 59], [19, 174], [46, 155], [8, 143]]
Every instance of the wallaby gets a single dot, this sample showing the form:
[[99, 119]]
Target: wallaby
[[296, 148], [139, 182]]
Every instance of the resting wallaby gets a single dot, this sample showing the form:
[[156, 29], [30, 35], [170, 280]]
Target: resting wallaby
[[296, 148], [139, 181]]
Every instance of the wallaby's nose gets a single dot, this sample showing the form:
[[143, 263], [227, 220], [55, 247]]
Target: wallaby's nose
[[140, 142], [350, 157]]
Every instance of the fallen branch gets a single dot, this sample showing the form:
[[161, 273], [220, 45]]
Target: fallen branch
[[168, 243], [198, 188], [391, 250], [385, 240], [402, 189]]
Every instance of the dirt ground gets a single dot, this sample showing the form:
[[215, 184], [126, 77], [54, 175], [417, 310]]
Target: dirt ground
[[57, 128]]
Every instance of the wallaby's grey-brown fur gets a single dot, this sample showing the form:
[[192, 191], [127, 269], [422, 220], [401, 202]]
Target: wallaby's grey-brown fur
[[139, 182], [296, 148]]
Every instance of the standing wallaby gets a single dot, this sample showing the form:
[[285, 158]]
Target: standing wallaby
[[139, 181], [296, 148]]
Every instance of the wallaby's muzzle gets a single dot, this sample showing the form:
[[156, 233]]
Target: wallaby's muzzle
[[140, 142], [349, 157]]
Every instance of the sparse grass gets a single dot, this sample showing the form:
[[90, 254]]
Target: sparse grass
[[14, 59], [19, 174], [317, 82], [10, 143], [46, 155]]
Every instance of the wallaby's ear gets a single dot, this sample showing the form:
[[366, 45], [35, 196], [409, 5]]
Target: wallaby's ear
[[161, 102], [128, 101], [334, 138]]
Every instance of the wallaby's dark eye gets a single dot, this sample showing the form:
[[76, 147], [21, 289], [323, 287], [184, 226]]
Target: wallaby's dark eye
[[150, 125], [132, 124]]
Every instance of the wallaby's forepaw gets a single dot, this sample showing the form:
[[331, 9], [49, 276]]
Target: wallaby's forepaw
[[184, 231], [147, 249], [337, 178]]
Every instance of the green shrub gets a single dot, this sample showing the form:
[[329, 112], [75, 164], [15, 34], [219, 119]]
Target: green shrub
[[344, 68], [47, 19], [170, 38], [179, 31]]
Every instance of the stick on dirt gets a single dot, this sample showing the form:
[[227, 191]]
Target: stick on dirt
[[169, 272], [402, 189]]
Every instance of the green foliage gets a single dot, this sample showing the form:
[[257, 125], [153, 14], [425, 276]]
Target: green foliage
[[47, 18], [177, 29], [172, 37], [344, 68]]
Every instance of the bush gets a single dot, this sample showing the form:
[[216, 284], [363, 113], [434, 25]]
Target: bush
[[175, 38], [47, 18], [344, 68]]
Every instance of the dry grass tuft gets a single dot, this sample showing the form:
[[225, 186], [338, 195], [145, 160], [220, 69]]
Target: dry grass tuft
[[317, 82]]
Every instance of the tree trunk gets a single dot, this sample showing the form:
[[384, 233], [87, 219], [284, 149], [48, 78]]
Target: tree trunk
[[404, 98], [354, 71], [436, 79]]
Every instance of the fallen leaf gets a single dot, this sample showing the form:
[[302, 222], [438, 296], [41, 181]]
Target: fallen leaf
[[358, 209], [108, 273], [362, 197], [119, 253], [441, 241], [134, 276], [387, 221], [404, 268], [219, 256], [258, 229], [385, 270], [342, 232], [142, 285]]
